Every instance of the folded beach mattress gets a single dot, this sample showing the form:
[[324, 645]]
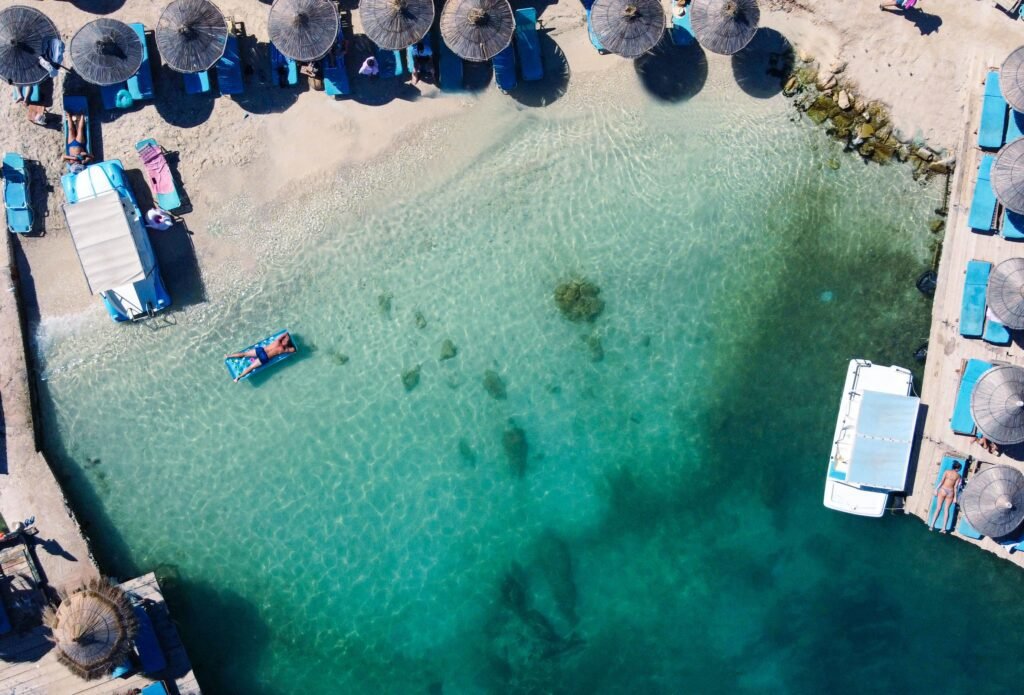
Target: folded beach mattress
[[237, 365], [993, 115], [947, 465], [983, 205], [962, 421], [972, 309]]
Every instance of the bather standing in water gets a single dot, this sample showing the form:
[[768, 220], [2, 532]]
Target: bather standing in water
[[945, 491], [263, 355]]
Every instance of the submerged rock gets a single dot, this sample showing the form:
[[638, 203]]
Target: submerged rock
[[448, 350], [593, 342], [411, 378], [936, 224], [466, 452], [339, 358], [516, 448], [494, 385], [421, 322], [578, 300], [384, 303]]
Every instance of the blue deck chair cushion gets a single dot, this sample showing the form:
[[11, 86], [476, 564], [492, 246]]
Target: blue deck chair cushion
[[390, 63], [1013, 226], [335, 75], [140, 85], [1014, 126], [116, 96], [593, 37], [197, 82], [229, 68], [996, 333], [5, 623], [947, 464], [964, 528], [972, 308], [962, 421], [993, 115], [505, 68], [983, 205], [151, 656], [286, 69], [449, 69], [681, 32], [531, 66]]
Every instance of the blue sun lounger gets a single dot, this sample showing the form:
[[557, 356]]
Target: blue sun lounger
[[140, 85], [76, 104], [964, 528], [995, 332], [947, 465], [391, 63], [155, 688], [1013, 226], [197, 82], [229, 68], [681, 32], [335, 75], [993, 115], [590, 31], [151, 656], [505, 68], [449, 68], [5, 622], [1014, 127], [17, 199], [972, 308], [983, 205], [284, 68], [962, 421], [531, 66], [158, 174], [237, 365]]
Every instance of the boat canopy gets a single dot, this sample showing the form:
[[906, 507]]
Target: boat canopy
[[105, 241], [882, 443]]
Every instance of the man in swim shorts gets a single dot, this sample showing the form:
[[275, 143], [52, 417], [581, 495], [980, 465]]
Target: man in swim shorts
[[262, 355], [945, 492]]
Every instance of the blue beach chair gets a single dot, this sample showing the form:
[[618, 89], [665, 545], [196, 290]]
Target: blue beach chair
[[151, 656], [1013, 226], [30, 94], [531, 66], [116, 97], [993, 115], [962, 421], [964, 528], [197, 82], [156, 688], [391, 63], [77, 104], [681, 32], [229, 68], [158, 174], [505, 68], [5, 622], [286, 69], [17, 198], [947, 465], [972, 308], [1014, 126], [983, 205], [995, 332], [140, 85], [335, 75], [449, 68], [590, 31]]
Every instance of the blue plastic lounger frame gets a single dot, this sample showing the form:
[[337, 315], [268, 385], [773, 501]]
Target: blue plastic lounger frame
[[531, 66], [229, 68], [505, 68], [972, 308], [140, 85], [995, 332], [449, 68], [947, 465], [681, 32], [1013, 226], [17, 199], [237, 365], [197, 82], [284, 68], [983, 205], [962, 421], [993, 115]]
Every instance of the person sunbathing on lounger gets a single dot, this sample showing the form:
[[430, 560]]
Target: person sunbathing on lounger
[[422, 63], [74, 148], [945, 492], [262, 356]]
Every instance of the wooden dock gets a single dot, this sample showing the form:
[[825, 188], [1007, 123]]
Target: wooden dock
[[29, 665], [947, 348]]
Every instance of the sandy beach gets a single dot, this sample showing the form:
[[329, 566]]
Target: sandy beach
[[271, 143]]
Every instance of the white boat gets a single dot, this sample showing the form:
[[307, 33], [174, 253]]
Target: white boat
[[873, 440]]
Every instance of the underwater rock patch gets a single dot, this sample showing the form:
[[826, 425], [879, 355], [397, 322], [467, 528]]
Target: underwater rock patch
[[578, 300], [421, 321], [411, 378], [384, 303], [494, 385], [339, 358], [516, 448], [448, 350], [466, 452], [593, 342]]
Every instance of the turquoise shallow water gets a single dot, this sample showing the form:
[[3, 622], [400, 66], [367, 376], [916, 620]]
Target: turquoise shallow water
[[650, 521]]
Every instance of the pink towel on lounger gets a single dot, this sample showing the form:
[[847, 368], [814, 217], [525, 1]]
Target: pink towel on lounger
[[156, 167]]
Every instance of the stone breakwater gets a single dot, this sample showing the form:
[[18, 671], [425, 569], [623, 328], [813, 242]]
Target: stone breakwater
[[830, 99]]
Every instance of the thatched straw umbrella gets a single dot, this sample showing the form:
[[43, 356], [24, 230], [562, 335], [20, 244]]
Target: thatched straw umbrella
[[997, 404], [477, 30], [25, 34], [191, 35], [303, 30], [724, 26], [1011, 79], [1005, 293], [993, 501], [92, 629], [106, 51], [1008, 176], [395, 24], [629, 28]]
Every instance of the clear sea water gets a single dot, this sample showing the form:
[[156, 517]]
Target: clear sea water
[[641, 512]]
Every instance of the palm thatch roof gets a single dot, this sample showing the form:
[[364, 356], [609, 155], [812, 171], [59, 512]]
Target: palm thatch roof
[[1008, 176], [629, 28], [303, 30], [106, 51], [477, 30], [724, 26], [191, 35], [1011, 79], [395, 24], [24, 34]]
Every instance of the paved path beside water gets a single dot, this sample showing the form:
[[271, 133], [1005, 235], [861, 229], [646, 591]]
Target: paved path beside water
[[27, 485], [947, 348]]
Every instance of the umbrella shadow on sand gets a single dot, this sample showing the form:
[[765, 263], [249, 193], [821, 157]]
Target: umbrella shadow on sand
[[673, 73], [555, 82], [98, 6], [762, 66]]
